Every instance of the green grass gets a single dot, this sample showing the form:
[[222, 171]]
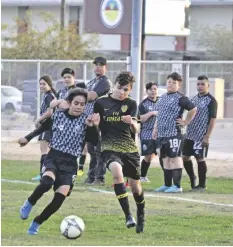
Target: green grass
[[169, 222]]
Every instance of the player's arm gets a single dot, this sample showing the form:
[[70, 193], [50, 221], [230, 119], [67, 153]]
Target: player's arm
[[92, 134], [131, 119], [144, 115], [45, 125], [100, 90], [186, 104], [213, 108], [155, 131]]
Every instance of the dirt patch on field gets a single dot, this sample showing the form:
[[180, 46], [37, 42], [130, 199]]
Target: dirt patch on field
[[12, 151]]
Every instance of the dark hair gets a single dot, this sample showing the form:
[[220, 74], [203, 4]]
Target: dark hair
[[175, 76], [49, 81], [125, 78], [202, 77], [76, 92], [67, 71], [150, 84]]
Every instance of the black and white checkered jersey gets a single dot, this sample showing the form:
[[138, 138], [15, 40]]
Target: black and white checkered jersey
[[206, 109], [69, 133], [147, 105], [101, 86], [171, 107], [46, 100], [63, 93]]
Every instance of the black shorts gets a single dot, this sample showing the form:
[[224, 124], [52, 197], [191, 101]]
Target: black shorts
[[196, 149], [64, 169], [171, 146], [45, 136], [148, 147], [130, 162]]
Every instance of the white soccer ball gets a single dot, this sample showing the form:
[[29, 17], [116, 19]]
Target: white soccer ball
[[72, 227]]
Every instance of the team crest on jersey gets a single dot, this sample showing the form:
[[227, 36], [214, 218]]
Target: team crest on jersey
[[124, 108], [150, 108]]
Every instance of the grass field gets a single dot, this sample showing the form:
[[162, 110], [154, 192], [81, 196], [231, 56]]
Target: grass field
[[169, 221]]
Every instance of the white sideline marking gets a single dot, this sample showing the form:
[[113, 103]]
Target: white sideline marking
[[146, 194], [170, 197]]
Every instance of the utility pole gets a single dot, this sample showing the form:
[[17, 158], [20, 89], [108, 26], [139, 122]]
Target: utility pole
[[136, 35], [62, 17]]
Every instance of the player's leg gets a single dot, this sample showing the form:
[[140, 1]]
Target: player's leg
[[45, 185], [145, 164], [202, 167], [93, 163], [82, 161], [58, 199], [115, 167], [188, 164]]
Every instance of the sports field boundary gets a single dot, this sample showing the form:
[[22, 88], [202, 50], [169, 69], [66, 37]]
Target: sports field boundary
[[147, 194]]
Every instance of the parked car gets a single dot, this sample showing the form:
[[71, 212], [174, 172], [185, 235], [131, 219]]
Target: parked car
[[11, 99]]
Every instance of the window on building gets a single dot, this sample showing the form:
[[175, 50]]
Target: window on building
[[74, 17], [22, 24]]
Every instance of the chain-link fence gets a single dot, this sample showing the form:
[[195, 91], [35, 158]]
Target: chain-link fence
[[24, 76]]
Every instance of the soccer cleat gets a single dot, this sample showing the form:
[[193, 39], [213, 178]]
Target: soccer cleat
[[145, 180], [174, 189], [36, 178], [199, 188], [130, 222], [88, 181], [162, 188], [140, 223], [98, 182], [25, 210], [80, 173], [33, 228]]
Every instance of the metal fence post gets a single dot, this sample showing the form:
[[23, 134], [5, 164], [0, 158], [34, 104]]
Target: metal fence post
[[187, 86], [85, 72], [38, 91]]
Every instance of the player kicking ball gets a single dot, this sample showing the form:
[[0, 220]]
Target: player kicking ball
[[118, 114], [70, 128]]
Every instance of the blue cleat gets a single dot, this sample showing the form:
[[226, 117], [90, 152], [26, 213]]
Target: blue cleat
[[162, 188], [36, 178], [33, 228], [174, 189], [25, 210]]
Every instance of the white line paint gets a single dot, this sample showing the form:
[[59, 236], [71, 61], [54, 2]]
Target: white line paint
[[171, 198], [146, 194]]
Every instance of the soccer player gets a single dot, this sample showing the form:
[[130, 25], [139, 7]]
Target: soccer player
[[148, 113], [168, 131], [199, 131], [97, 87], [46, 87], [69, 131], [118, 117]]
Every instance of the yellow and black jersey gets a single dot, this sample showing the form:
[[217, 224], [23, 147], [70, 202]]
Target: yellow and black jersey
[[115, 134]]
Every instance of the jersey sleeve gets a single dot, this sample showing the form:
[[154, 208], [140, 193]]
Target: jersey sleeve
[[141, 109], [213, 108], [92, 135], [48, 100], [186, 103], [99, 109], [133, 111], [102, 87]]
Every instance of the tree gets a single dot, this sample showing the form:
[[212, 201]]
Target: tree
[[217, 40], [51, 43]]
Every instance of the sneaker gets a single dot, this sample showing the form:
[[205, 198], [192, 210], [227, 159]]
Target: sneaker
[[25, 210], [145, 180], [162, 188], [36, 178], [33, 228], [174, 189], [80, 173], [98, 182], [199, 188], [130, 221], [140, 223], [89, 181]]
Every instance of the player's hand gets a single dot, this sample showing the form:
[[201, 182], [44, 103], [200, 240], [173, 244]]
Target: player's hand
[[127, 119], [22, 141], [154, 134], [154, 113], [54, 103], [63, 104], [181, 122], [205, 141], [37, 123], [89, 121], [95, 118]]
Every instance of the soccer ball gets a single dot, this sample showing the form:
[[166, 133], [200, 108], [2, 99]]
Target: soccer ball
[[72, 227]]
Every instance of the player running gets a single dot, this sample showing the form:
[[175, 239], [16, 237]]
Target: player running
[[69, 132], [118, 117], [198, 133]]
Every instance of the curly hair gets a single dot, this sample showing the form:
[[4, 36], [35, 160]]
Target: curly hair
[[125, 78], [175, 76]]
